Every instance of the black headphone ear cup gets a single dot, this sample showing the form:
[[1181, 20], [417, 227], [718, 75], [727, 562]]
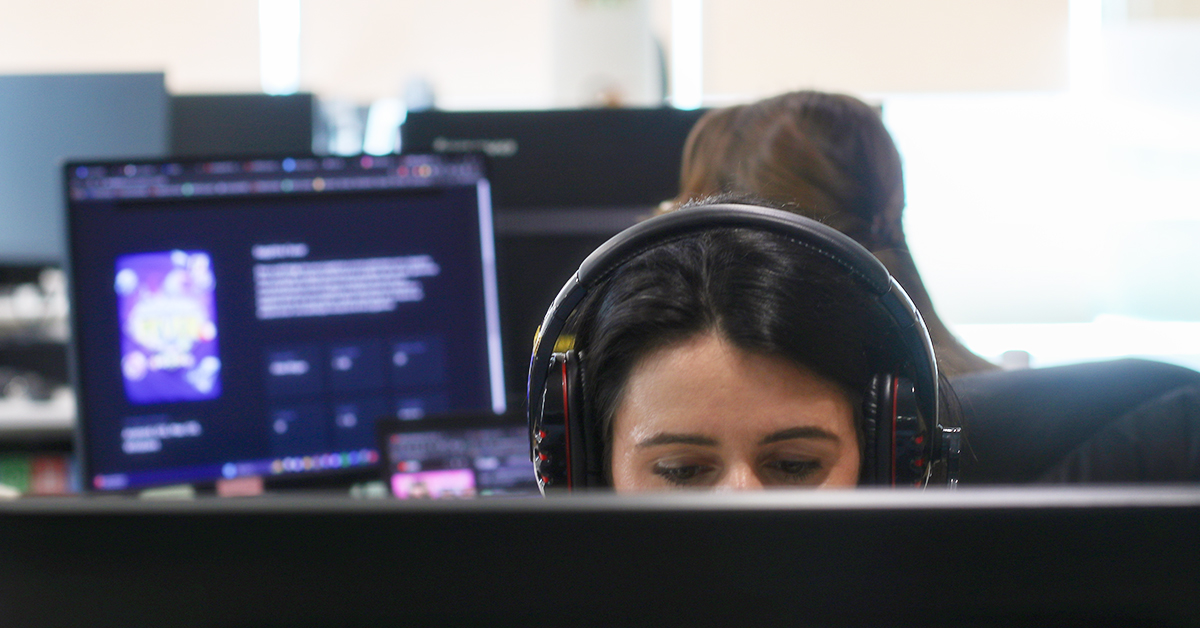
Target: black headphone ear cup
[[870, 427], [898, 443], [912, 441], [578, 436], [878, 426], [551, 449], [564, 445], [587, 440]]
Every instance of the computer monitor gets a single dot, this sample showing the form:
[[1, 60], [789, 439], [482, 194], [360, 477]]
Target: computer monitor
[[203, 125], [846, 559], [564, 181], [254, 317], [46, 119]]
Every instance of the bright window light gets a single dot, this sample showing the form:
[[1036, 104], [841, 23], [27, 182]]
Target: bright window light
[[279, 45], [382, 133], [687, 53], [1105, 338], [1065, 224]]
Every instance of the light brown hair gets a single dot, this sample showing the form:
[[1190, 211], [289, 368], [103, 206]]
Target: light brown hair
[[828, 156]]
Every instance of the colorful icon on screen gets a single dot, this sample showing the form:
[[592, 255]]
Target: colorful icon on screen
[[168, 318]]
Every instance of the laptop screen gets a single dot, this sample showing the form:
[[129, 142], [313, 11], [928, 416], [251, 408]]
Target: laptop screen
[[457, 457], [256, 317]]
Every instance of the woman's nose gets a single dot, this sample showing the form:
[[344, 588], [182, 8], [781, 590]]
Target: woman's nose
[[740, 477]]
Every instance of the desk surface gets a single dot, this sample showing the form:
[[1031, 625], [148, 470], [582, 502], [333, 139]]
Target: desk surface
[[868, 557]]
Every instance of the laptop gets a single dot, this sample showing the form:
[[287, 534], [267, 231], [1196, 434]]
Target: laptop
[[457, 457]]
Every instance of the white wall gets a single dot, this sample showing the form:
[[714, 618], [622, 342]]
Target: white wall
[[477, 54], [208, 46], [755, 48], [489, 54]]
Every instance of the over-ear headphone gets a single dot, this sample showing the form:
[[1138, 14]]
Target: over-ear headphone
[[903, 439]]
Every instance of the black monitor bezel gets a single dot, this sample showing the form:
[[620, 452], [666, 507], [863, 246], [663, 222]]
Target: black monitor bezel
[[327, 479]]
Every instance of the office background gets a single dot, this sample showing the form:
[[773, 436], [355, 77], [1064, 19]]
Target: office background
[[1052, 154], [1050, 146]]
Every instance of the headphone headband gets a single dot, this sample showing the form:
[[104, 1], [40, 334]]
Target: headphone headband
[[851, 255], [858, 262]]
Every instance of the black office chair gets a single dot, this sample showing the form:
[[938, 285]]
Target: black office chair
[[1122, 421]]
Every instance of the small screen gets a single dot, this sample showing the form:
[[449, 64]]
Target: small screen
[[238, 318], [456, 462]]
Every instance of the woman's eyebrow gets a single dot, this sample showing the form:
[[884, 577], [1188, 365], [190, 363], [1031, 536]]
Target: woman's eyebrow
[[793, 433], [677, 439]]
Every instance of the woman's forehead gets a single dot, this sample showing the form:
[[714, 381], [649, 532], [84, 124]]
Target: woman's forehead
[[713, 368], [705, 386]]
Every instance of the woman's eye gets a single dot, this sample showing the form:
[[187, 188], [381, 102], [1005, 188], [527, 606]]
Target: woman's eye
[[795, 469], [681, 475]]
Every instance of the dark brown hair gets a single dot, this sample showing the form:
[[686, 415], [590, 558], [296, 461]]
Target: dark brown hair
[[760, 291]]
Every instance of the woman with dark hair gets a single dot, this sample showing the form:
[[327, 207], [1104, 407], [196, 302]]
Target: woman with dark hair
[[734, 357], [827, 157]]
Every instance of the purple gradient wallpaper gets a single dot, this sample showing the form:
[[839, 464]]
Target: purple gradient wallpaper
[[168, 319]]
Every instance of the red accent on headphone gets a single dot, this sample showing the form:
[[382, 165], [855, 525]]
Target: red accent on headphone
[[895, 410], [567, 423]]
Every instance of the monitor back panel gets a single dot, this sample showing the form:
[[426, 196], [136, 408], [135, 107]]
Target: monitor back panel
[[564, 181], [856, 558], [203, 125], [48, 119]]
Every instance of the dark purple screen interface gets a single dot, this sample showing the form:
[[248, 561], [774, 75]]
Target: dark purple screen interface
[[258, 318]]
